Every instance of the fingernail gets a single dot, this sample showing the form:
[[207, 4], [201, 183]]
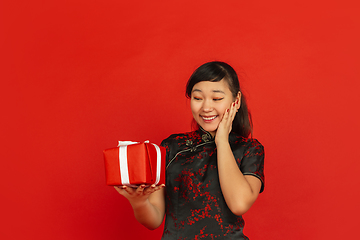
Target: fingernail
[[227, 110], [233, 105], [237, 101]]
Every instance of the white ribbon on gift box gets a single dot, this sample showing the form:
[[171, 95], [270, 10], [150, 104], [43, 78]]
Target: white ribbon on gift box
[[124, 172]]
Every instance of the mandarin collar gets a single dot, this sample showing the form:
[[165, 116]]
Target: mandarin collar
[[201, 136], [205, 135]]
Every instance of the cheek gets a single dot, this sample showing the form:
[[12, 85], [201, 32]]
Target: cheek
[[194, 107], [224, 107]]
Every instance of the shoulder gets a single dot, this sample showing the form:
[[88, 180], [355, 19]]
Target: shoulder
[[254, 145], [245, 145], [239, 141]]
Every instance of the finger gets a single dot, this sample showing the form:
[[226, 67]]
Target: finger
[[150, 189], [233, 111], [140, 189], [132, 190], [154, 188], [121, 189], [117, 188], [159, 187], [229, 117], [226, 114], [225, 123], [238, 104]]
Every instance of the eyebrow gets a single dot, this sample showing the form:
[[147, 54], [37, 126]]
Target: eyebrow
[[215, 91]]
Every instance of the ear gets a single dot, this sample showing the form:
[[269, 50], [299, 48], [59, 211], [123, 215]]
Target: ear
[[238, 99]]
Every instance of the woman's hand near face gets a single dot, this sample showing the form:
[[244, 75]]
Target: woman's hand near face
[[148, 203], [225, 126], [230, 176]]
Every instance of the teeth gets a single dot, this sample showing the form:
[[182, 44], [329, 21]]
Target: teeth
[[209, 118]]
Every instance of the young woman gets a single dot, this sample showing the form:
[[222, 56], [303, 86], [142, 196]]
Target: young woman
[[213, 174]]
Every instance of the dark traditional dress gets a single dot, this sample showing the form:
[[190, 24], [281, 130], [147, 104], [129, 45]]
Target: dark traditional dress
[[195, 206]]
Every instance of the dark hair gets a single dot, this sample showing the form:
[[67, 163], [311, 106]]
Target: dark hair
[[215, 72]]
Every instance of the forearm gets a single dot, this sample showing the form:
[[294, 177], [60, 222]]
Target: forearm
[[147, 214], [148, 203], [238, 193]]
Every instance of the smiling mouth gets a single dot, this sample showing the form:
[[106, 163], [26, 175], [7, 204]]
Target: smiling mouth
[[208, 118]]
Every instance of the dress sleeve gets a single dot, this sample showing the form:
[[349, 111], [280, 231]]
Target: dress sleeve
[[252, 161]]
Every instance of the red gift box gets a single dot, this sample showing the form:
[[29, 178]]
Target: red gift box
[[134, 163]]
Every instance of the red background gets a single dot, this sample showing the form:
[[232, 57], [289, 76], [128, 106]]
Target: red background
[[77, 76]]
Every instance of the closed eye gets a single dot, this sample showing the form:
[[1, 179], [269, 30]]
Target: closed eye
[[197, 98], [218, 99]]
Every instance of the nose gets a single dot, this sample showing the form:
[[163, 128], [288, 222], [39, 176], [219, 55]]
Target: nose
[[207, 106]]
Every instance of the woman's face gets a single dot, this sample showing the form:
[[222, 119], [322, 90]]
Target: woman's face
[[209, 101]]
